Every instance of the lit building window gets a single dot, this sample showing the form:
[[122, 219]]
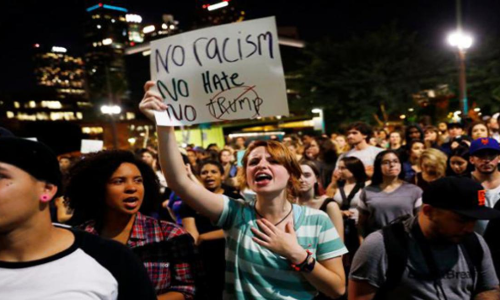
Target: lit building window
[[26, 117], [51, 104], [92, 130], [130, 116], [64, 115], [10, 115], [32, 104], [16, 104], [79, 115], [42, 116]]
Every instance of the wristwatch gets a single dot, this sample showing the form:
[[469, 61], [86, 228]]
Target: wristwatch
[[307, 265]]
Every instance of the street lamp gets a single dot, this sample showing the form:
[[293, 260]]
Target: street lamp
[[462, 42], [111, 111], [319, 122]]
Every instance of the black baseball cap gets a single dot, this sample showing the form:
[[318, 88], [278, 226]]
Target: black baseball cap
[[461, 195], [455, 125], [32, 157]]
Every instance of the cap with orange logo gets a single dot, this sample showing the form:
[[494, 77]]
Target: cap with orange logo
[[461, 195], [484, 144]]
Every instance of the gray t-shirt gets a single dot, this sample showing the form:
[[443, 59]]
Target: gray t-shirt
[[370, 264], [366, 156], [383, 207]]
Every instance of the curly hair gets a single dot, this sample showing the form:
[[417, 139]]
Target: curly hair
[[284, 157], [86, 188]]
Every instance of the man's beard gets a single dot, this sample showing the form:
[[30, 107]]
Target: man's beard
[[487, 172]]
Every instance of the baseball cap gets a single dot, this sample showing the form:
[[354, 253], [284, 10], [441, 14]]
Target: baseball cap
[[484, 144], [455, 125], [32, 157], [461, 195]]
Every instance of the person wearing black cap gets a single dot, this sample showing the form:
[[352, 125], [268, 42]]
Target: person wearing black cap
[[484, 155], [41, 261], [435, 255]]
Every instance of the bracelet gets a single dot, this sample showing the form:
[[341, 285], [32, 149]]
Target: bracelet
[[299, 267]]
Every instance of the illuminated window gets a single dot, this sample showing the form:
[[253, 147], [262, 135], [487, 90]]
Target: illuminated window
[[130, 116], [10, 115], [92, 130], [79, 115], [51, 104], [16, 104], [32, 104], [64, 115]]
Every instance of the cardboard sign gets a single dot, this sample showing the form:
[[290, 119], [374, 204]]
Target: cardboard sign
[[89, 146], [220, 73]]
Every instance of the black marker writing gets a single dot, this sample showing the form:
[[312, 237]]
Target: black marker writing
[[178, 87]]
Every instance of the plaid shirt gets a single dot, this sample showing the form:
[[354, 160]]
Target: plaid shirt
[[167, 252]]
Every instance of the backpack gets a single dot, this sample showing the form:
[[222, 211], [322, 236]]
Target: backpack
[[396, 245]]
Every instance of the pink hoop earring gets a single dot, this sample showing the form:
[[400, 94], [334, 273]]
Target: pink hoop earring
[[44, 198]]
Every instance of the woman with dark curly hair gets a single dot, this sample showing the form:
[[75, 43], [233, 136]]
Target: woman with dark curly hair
[[111, 191]]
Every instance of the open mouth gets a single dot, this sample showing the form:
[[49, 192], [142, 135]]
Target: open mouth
[[131, 202], [262, 178]]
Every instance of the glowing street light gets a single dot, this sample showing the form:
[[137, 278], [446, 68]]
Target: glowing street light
[[111, 109], [107, 41], [462, 42], [217, 5]]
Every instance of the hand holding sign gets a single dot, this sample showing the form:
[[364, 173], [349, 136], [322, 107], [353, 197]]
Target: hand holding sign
[[151, 102], [226, 72]]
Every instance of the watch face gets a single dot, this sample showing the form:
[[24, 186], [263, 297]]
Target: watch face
[[311, 262]]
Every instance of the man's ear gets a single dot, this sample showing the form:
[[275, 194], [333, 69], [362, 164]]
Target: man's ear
[[427, 210], [49, 190]]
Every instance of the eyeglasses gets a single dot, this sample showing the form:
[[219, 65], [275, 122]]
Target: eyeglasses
[[390, 162]]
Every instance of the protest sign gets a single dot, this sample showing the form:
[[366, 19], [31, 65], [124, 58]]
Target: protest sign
[[89, 146], [220, 73]]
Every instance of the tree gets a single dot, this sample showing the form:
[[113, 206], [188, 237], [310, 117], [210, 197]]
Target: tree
[[352, 80]]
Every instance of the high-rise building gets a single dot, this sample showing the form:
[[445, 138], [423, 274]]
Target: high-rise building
[[60, 93], [60, 71], [106, 36], [135, 34], [218, 12]]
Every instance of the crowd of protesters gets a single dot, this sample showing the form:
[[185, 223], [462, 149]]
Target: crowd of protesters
[[390, 213]]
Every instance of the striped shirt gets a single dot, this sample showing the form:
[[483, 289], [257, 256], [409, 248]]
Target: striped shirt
[[254, 272]]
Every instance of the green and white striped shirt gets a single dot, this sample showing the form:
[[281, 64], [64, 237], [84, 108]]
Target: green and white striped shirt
[[254, 272]]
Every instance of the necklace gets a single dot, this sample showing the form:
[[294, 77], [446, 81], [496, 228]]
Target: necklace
[[262, 217]]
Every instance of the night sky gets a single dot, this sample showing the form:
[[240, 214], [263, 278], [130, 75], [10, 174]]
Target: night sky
[[57, 22]]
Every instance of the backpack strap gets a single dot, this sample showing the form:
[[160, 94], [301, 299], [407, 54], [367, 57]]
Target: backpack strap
[[396, 247], [346, 200], [325, 204], [473, 254]]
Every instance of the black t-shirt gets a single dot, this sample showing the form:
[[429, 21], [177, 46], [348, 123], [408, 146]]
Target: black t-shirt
[[212, 252], [91, 268]]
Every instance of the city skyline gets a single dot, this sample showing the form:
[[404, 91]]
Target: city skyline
[[61, 23]]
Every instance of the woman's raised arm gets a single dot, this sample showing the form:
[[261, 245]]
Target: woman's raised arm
[[195, 195]]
